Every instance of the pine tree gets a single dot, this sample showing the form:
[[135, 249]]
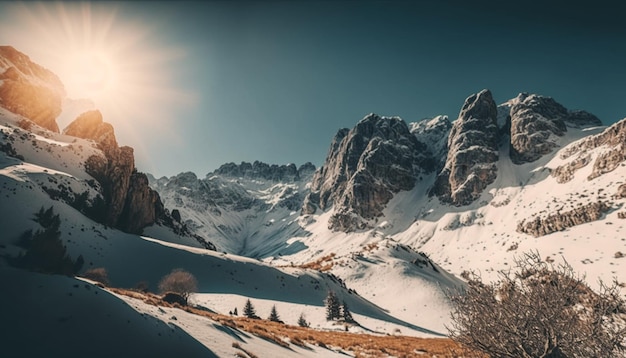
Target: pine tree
[[235, 312], [274, 315], [248, 310], [333, 309], [302, 321], [345, 313], [45, 251]]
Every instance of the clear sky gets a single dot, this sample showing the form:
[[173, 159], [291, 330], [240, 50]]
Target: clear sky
[[193, 85]]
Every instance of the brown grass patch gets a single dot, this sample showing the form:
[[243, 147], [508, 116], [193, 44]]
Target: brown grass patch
[[322, 264], [362, 345]]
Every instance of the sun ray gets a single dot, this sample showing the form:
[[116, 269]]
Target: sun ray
[[102, 54]]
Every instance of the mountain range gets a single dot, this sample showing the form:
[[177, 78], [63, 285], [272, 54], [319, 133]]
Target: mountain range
[[394, 218]]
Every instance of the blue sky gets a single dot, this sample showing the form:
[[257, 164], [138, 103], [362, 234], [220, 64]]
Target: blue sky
[[273, 81]]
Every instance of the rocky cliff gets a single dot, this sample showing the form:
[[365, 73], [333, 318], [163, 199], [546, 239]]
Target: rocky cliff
[[472, 152], [364, 168], [536, 124], [29, 90], [130, 203]]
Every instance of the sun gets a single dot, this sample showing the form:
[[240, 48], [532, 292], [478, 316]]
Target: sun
[[92, 74], [101, 53]]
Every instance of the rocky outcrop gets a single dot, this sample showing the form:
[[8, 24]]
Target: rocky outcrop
[[612, 138], [29, 89], [565, 172], [130, 204], [113, 172], [90, 125], [472, 152], [364, 168], [621, 191], [608, 161], [536, 124], [260, 170], [540, 226], [142, 206]]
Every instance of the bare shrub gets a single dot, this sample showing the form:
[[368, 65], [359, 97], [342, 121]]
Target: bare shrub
[[179, 281], [98, 274], [539, 309]]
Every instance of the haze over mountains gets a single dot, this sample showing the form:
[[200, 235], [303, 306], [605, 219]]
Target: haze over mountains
[[390, 221]]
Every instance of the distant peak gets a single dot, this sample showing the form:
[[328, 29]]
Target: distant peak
[[260, 170]]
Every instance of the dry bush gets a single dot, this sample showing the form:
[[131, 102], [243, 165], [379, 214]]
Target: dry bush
[[539, 310], [179, 281]]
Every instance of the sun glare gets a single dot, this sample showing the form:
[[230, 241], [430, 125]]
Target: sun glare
[[91, 74], [100, 54]]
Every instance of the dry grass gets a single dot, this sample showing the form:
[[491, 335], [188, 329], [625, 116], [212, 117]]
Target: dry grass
[[362, 345], [323, 264]]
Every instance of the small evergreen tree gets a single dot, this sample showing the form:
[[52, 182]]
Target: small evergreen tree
[[302, 321], [235, 312], [45, 251], [274, 315], [345, 313], [248, 310], [333, 308]]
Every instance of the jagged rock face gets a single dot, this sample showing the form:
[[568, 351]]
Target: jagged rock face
[[434, 134], [142, 205], [260, 170], [613, 137], [565, 172], [131, 204], [113, 172], [536, 124], [472, 152], [364, 168], [29, 89], [560, 221], [90, 125]]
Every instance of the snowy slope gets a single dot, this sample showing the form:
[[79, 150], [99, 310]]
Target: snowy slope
[[247, 216], [483, 236], [225, 280]]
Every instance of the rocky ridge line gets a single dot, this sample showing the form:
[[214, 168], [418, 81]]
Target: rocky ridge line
[[364, 168], [613, 137], [560, 221], [29, 90]]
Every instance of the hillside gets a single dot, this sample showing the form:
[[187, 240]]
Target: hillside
[[396, 214]]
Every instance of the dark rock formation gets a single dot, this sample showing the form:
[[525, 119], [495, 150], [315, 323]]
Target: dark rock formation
[[142, 206], [130, 203], [560, 221], [472, 152], [260, 170], [536, 124], [29, 89], [364, 168]]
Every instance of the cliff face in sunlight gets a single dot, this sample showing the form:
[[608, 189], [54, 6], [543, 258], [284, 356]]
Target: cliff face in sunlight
[[29, 89], [130, 203]]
